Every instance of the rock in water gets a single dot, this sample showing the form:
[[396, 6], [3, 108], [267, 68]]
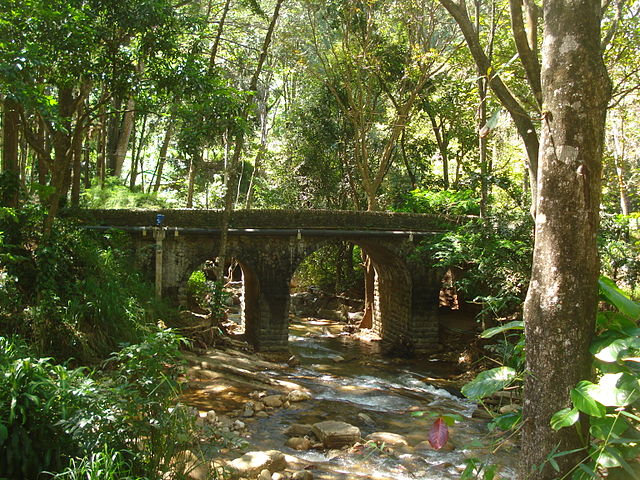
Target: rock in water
[[298, 430], [335, 434], [299, 443], [272, 401], [388, 438], [252, 463], [299, 396]]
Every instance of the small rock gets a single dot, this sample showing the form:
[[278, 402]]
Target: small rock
[[262, 414], [298, 396], [448, 447], [265, 474], [511, 408], [366, 419], [258, 406], [248, 410], [299, 443], [337, 358], [224, 421], [238, 425], [302, 475], [298, 430], [286, 404], [273, 401], [388, 438], [277, 476], [211, 416]]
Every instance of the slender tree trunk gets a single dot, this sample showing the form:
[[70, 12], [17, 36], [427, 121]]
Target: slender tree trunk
[[191, 182], [561, 303], [124, 136], [620, 165], [482, 147], [10, 142], [163, 155], [76, 152]]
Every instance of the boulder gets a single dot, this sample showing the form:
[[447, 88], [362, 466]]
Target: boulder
[[252, 463], [335, 434]]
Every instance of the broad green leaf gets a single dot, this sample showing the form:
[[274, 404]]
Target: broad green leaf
[[508, 421], [489, 382], [583, 399], [564, 418], [611, 352], [613, 391], [616, 297], [515, 325], [609, 427]]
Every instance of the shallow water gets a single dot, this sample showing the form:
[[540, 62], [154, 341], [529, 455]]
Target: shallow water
[[346, 378]]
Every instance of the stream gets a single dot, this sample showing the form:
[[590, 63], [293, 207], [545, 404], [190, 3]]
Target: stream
[[350, 382]]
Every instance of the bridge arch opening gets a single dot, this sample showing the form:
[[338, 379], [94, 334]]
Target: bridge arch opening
[[317, 293]]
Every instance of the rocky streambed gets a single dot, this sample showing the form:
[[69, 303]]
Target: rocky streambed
[[337, 410]]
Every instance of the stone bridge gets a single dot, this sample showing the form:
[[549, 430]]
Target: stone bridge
[[270, 244]]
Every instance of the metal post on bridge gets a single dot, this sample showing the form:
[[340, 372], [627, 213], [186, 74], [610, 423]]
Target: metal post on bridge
[[159, 233]]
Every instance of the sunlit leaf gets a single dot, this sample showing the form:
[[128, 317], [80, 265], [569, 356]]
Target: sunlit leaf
[[489, 382], [515, 325], [583, 399], [507, 421], [613, 294], [564, 418]]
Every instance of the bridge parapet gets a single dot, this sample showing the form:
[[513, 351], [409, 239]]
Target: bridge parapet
[[285, 219]]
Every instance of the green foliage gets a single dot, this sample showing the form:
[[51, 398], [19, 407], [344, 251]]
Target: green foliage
[[443, 202], [494, 256], [489, 382], [103, 465], [113, 194], [113, 424], [76, 294], [334, 268], [611, 403]]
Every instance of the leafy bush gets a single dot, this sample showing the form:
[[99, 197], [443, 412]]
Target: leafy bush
[[611, 404], [494, 256], [74, 294], [112, 424]]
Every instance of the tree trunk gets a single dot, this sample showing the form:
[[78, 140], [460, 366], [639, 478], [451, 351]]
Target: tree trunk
[[561, 302], [76, 152], [123, 137], [163, 155], [10, 140], [191, 182], [620, 166], [482, 147]]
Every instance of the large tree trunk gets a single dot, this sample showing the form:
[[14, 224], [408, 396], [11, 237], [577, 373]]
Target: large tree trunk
[[10, 141], [561, 303]]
